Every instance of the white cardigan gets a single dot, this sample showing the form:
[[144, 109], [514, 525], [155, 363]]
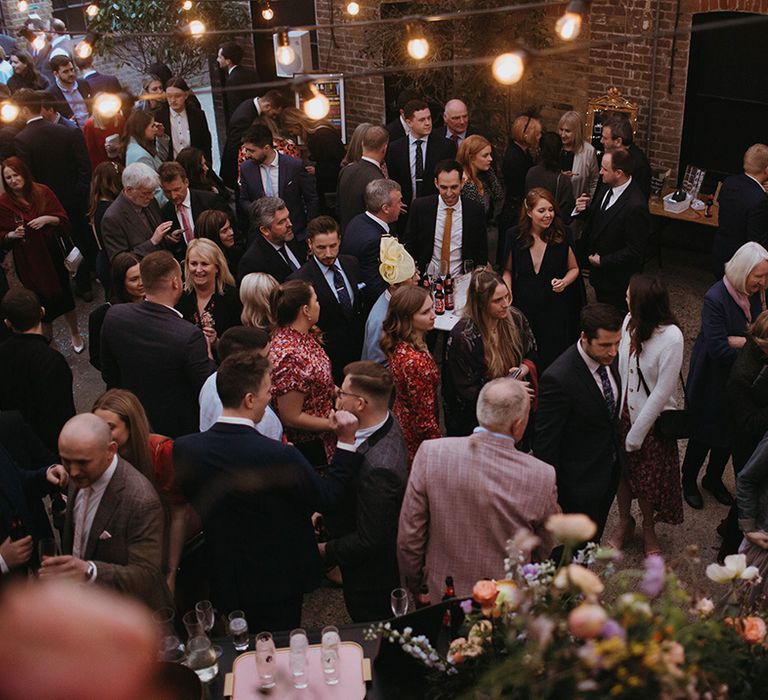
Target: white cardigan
[[660, 361]]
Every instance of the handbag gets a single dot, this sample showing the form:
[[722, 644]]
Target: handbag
[[674, 423], [73, 258]]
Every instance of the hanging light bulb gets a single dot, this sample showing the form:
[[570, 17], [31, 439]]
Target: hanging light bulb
[[92, 10], [9, 112], [285, 54], [418, 46], [186, 5], [22, 6], [107, 105], [568, 26], [84, 49], [38, 43], [508, 68], [196, 28], [267, 12], [353, 8], [314, 103]]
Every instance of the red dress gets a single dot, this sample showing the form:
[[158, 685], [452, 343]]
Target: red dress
[[95, 138], [299, 363], [38, 258], [416, 380]]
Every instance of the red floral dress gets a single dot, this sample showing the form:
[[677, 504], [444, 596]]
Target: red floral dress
[[416, 379], [299, 363]]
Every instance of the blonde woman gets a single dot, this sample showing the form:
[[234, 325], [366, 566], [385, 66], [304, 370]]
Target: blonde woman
[[480, 182], [492, 340], [579, 155], [210, 298], [256, 290]]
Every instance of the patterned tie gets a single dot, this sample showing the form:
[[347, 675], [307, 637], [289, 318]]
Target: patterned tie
[[445, 249], [419, 167], [184, 221], [610, 399], [284, 253], [455, 138], [341, 290]]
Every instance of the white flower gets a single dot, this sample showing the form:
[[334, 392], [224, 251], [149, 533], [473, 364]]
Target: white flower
[[704, 606], [571, 528], [735, 568]]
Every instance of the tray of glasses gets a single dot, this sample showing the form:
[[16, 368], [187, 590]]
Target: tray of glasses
[[353, 671]]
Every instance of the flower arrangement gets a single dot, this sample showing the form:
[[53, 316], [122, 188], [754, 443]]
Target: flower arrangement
[[552, 631]]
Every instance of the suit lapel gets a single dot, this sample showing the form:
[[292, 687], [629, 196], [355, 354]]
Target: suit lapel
[[282, 175], [591, 386], [605, 217], [110, 502], [68, 536]]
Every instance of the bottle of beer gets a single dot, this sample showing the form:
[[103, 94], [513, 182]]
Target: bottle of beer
[[710, 202], [450, 304], [439, 299], [17, 529], [425, 281], [422, 600], [450, 592]]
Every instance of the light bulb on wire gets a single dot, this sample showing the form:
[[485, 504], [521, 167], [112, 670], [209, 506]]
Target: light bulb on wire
[[285, 54], [22, 6], [353, 8], [107, 105], [314, 103], [9, 112], [196, 28], [508, 68], [417, 46], [92, 10], [568, 26], [186, 5], [268, 13], [84, 49]]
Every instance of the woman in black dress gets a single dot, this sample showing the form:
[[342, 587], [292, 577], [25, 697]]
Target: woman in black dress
[[542, 272], [25, 74], [106, 184]]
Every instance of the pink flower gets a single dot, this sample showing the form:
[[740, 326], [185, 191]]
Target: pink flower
[[587, 620], [753, 629]]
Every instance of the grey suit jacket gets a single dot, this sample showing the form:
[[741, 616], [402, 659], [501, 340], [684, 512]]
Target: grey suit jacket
[[124, 229], [126, 537]]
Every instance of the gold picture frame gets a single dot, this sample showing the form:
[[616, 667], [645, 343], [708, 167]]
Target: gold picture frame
[[600, 108]]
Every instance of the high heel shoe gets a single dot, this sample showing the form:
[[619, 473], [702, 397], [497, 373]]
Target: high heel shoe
[[652, 547], [622, 536]]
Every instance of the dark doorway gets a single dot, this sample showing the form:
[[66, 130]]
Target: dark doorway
[[726, 101]]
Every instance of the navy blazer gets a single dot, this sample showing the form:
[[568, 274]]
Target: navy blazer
[[711, 362], [256, 497], [295, 186], [743, 216], [362, 239], [150, 350]]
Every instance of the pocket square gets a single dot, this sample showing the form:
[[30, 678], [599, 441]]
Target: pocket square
[[105, 536], [361, 285]]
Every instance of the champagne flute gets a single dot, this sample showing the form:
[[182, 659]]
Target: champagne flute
[[266, 663], [399, 602], [201, 658]]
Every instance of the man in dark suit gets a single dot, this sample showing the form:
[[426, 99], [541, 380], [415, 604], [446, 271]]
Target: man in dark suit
[[362, 238], [98, 82], [133, 223], [743, 214], [73, 95], [50, 111], [578, 430], [184, 205], [397, 128], [270, 104], [354, 178], [268, 173], [113, 532], [363, 527], [256, 497], [447, 226], [58, 158], [456, 122], [238, 80], [273, 249], [618, 224], [336, 280], [617, 135], [36, 379], [149, 349]]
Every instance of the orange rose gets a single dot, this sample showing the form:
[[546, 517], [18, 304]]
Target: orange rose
[[484, 593], [586, 620], [753, 629]]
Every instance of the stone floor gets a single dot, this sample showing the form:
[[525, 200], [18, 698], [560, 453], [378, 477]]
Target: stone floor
[[688, 277]]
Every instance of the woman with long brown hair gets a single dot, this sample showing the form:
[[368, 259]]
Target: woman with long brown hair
[[25, 73], [492, 340], [138, 141], [414, 371], [543, 276], [480, 182], [106, 184]]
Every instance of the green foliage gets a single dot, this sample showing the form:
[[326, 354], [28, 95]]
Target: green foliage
[[183, 54]]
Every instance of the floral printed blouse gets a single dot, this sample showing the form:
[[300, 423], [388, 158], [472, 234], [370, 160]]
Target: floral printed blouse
[[416, 379], [299, 363]]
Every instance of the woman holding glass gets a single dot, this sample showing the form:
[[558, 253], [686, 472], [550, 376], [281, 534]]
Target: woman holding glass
[[414, 371], [492, 340], [302, 383]]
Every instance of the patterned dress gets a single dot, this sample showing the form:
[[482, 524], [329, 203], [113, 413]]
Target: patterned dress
[[299, 363], [416, 380]]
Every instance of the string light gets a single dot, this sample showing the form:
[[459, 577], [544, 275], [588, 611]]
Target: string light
[[314, 103], [38, 43], [186, 5], [84, 49], [353, 8], [22, 6], [285, 54], [9, 112], [92, 10], [267, 12], [568, 26], [418, 46], [196, 28], [107, 105], [508, 68]]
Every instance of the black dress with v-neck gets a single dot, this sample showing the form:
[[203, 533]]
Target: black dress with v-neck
[[554, 317]]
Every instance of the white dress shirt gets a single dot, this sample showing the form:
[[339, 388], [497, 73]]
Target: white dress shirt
[[83, 516], [412, 158], [381, 223], [371, 160], [291, 256], [180, 129], [617, 192], [270, 177], [456, 236], [593, 366], [328, 275]]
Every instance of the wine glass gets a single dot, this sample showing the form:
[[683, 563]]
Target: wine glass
[[193, 624], [433, 270], [399, 602], [18, 220], [331, 643], [265, 660], [238, 629], [204, 610]]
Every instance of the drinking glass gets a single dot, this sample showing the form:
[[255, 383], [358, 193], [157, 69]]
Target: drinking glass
[[265, 660], [433, 270], [299, 645], [171, 649], [164, 618], [331, 642], [193, 624], [47, 547], [468, 266], [238, 629], [201, 658], [399, 602], [204, 610]]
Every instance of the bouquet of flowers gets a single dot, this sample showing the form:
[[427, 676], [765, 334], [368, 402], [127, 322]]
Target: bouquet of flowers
[[550, 631]]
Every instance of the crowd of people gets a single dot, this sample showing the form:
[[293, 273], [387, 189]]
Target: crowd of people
[[275, 379]]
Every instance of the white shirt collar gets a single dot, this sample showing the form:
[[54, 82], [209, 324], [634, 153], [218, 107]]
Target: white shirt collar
[[236, 420], [413, 139], [100, 485], [325, 269], [364, 433], [384, 224], [188, 199], [176, 311], [619, 190], [71, 90], [257, 104], [405, 125], [371, 160], [34, 119], [229, 72], [273, 164], [90, 71], [756, 180], [442, 206], [592, 365]]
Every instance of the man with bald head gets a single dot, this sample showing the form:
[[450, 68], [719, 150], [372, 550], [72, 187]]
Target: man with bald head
[[456, 119], [113, 532], [458, 483]]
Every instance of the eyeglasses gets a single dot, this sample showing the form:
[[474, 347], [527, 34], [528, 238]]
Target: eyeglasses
[[341, 393]]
